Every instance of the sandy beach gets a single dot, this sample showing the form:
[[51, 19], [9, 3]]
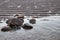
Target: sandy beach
[[46, 28]]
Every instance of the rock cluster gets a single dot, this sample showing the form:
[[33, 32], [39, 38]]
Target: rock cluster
[[17, 23]]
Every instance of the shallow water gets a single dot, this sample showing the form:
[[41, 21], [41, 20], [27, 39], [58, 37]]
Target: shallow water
[[46, 28]]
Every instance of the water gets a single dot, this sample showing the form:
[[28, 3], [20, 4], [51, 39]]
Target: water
[[46, 28]]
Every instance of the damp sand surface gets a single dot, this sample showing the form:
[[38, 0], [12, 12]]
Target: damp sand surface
[[46, 28]]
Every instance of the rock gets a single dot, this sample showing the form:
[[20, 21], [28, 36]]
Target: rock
[[5, 29], [15, 21], [21, 16], [32, 21], [27, 26]]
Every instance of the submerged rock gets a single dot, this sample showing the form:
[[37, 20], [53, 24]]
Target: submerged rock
[[15, 23], [27, 26], [32, 21]]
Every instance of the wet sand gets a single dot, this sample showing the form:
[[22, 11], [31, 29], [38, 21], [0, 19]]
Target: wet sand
[[46, 28]]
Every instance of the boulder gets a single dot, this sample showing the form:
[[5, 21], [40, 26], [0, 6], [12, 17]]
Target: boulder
[[15, 23]]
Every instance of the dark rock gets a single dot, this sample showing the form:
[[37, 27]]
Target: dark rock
[[5, 29], [27, 26], [16, 15], [15, 22], [21, 16], [32, 21]]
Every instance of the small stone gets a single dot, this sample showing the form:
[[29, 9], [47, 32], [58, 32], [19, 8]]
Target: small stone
[[5, 29], [27, 26], [32, 21]]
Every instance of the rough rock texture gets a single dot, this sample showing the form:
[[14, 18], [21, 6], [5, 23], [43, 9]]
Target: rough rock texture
[[27, 26], [15, 21], [5, 29], [32, 21]]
